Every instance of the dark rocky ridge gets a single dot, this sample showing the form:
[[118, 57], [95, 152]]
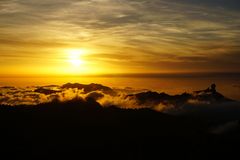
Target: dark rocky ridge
[[89, 88], [83, 129], [210, 96]]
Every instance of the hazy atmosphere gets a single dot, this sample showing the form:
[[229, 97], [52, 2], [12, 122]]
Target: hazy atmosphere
[[78, 37], [120, 79]]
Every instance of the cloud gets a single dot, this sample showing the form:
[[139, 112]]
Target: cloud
[[236, 86], [227, 4], [44, 94], [226, 127], [158, 26], [120, 101], [221, 114]]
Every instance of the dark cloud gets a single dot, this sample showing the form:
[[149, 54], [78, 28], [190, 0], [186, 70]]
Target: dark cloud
[[225, 128], [236, 86], [228, 4], [221, 112], [29, 43]]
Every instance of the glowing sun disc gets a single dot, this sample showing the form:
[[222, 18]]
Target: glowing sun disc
[[75, 57]]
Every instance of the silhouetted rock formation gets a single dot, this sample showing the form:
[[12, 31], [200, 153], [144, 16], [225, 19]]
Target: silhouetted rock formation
[[209, 95], [89, 88], [211, 90], [45, 91], [154, 98]]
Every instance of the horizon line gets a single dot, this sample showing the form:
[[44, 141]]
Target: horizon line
[[133, 75]]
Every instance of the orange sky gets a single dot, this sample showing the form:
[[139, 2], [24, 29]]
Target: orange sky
[[106, 36]]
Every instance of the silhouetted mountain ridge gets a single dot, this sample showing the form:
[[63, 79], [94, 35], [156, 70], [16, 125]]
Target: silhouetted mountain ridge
[[84, 128], [89, 88], [154, 98], [45, 91]]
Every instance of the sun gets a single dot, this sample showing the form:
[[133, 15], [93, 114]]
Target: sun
[[75, 56]]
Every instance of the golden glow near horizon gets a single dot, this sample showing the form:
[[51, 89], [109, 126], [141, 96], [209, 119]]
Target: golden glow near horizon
[[107, 36]]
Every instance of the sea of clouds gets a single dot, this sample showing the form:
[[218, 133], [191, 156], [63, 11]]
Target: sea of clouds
[[34, 95]]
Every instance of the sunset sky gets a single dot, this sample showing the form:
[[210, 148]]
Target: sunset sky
[[74, 37]]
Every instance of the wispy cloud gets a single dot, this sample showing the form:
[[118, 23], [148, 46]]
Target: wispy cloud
[[147, 30]]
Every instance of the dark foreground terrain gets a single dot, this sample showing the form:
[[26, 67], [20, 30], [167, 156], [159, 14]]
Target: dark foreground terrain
[[82, 129]]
